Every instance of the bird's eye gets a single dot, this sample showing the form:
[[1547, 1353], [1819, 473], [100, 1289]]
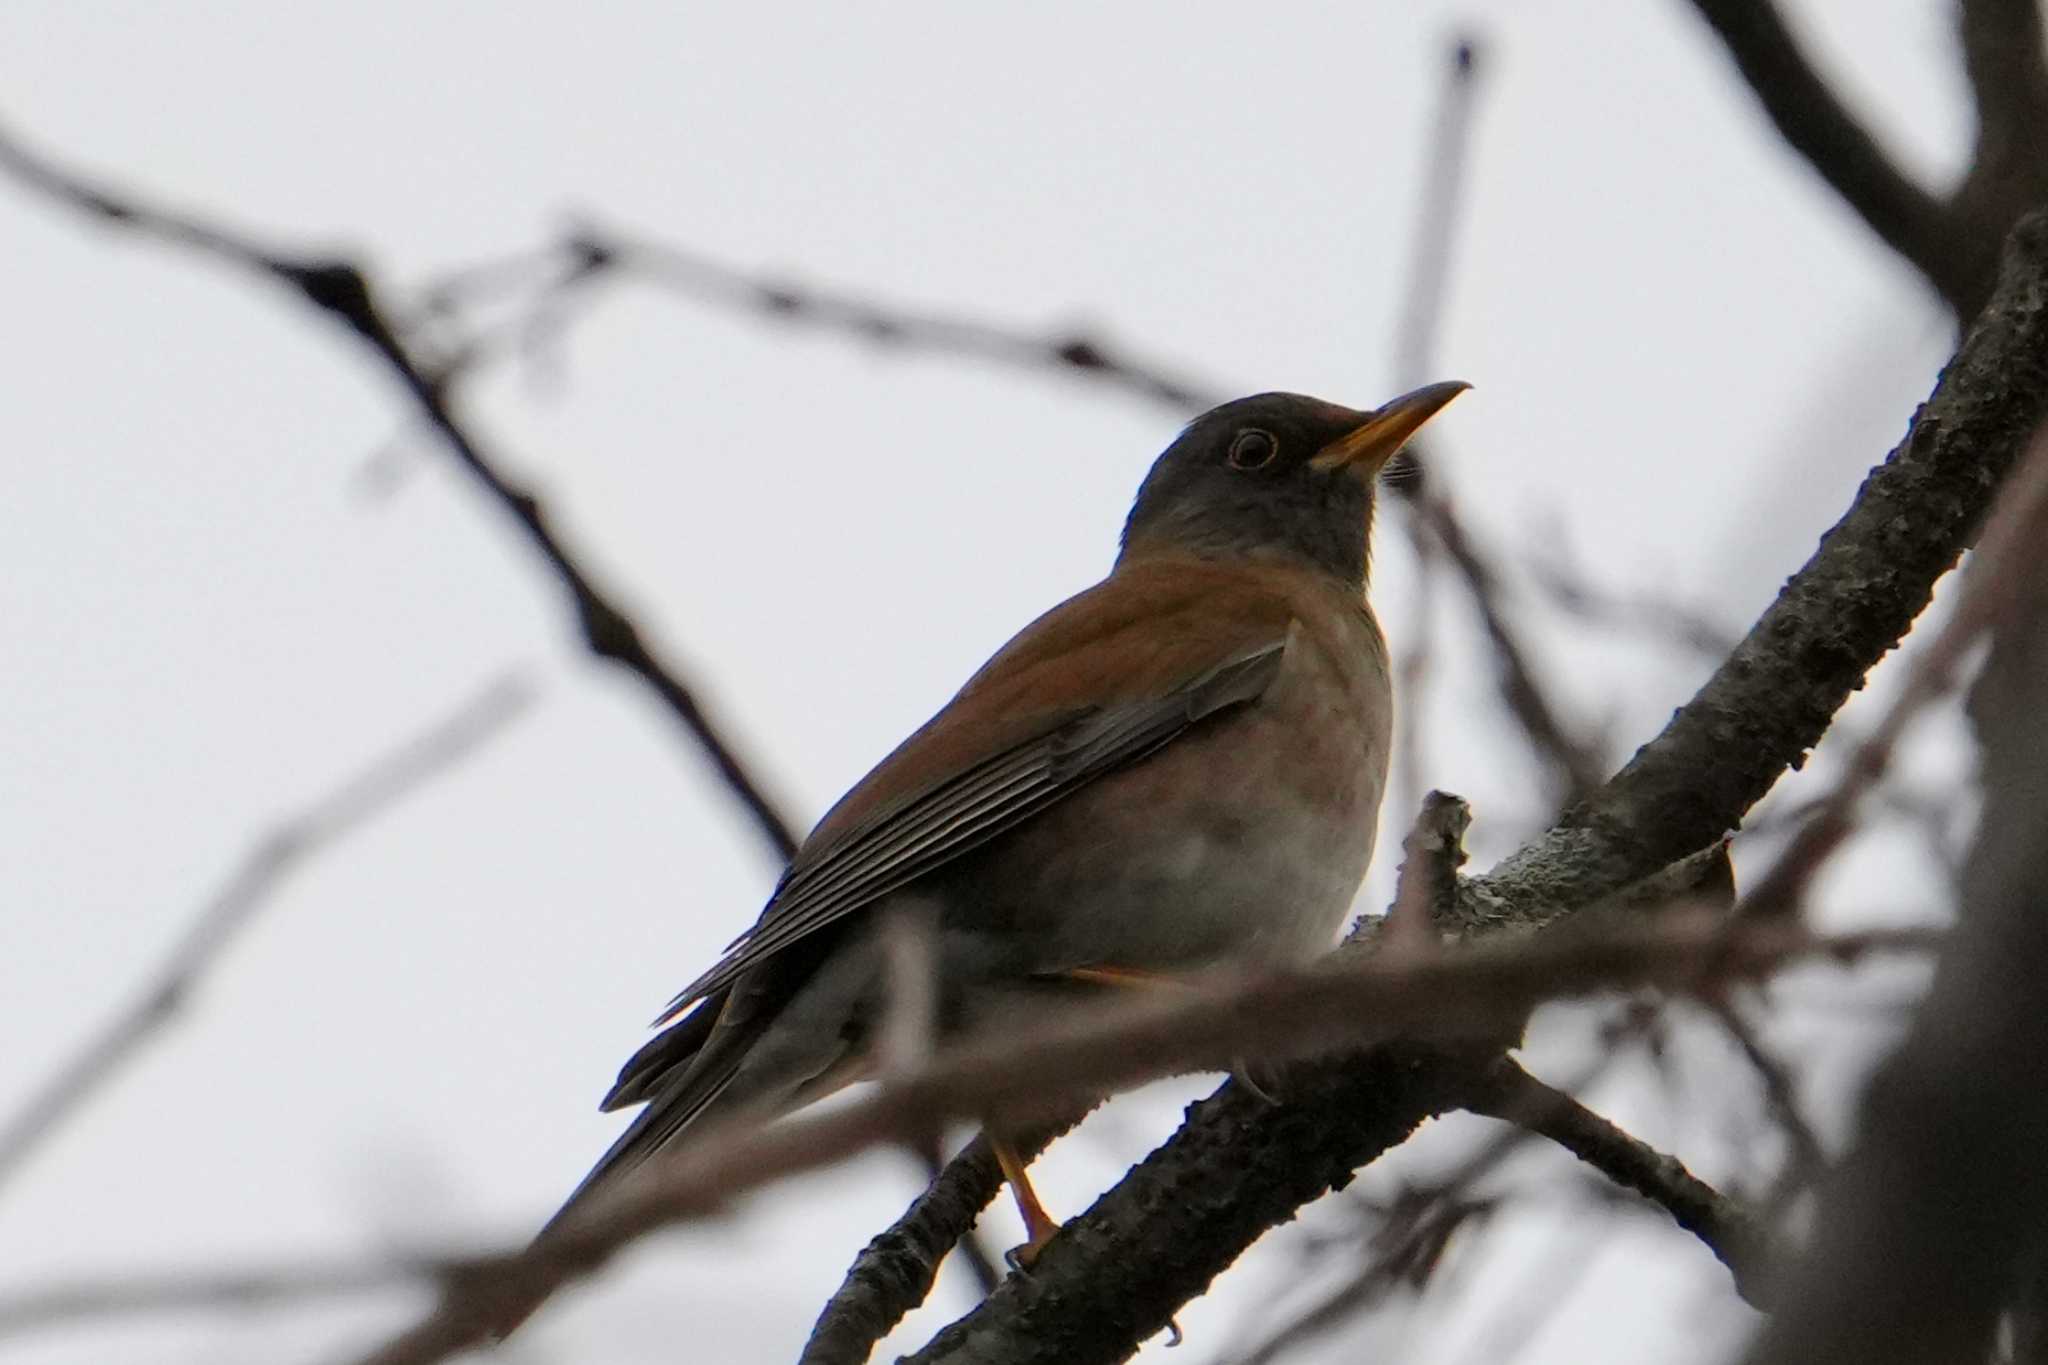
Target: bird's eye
[[1252, 449]]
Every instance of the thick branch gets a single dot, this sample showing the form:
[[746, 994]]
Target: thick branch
[[1815, 123], [1847, 607], [1118, 1273]]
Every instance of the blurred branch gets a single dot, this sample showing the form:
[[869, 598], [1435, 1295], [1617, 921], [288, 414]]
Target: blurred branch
[[1555, 573], [1574, 767], [1457, 994], [340, 289], [275, 855], [1438, 536], [1781, 1098], [1404, 1251], [1238, 1167], [1952, 242], [1736, 1236], [101, 1301], [2003, 57], [1443, 193], [1814, 123], [1932, 1224]]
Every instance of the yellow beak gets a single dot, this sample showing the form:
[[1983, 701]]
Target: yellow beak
[[1379, 437]]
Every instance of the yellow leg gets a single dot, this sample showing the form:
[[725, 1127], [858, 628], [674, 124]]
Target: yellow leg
[[1039, 1226]]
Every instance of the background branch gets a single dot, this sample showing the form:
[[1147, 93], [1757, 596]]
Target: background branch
[[1815, 124], [341, 290], [1736, 1236], [221, 920]]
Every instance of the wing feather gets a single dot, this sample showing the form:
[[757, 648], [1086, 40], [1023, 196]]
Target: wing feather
[[914, 836]]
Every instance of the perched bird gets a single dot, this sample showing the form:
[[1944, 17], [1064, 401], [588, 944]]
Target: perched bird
[[1179, 767]]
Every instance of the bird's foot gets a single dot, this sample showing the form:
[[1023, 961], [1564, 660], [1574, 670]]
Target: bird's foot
[[1263, 1079], [1021, 1257]]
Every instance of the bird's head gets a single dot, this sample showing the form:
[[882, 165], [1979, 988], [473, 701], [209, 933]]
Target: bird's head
[[1276, 477]]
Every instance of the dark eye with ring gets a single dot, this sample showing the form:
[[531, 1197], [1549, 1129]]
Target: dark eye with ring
[[1252, 449]]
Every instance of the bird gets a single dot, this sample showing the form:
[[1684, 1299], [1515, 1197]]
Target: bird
[[1178, 768]]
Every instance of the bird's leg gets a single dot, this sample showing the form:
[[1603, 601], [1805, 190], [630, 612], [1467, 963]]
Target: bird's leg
[[1039, 1226], [1240, 1067]]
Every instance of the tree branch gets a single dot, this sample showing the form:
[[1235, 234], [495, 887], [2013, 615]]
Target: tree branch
[[274, 857], [1815, 124], [1738, 1239], [1235, 1169], [340, 289], [894, 1273]]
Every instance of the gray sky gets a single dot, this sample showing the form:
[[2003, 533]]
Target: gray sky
[[1686, 353]]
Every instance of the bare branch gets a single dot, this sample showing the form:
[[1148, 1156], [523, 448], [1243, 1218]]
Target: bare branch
[[99, 1302], [1443, 195], [1848, 606], [274, 857], [340, 289], [1574, 768], [1814, 122], [2002, 56], [1736, 1236], [1781, 1098], [700, 279]]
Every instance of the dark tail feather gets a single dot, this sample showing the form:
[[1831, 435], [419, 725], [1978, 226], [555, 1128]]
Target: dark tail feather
[[679, 1073], [676, 1075]]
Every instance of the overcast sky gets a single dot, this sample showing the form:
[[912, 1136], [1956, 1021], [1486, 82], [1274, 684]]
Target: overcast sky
[[1686, 354]]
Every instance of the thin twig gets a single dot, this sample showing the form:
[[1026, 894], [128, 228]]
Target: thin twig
[[1436, 228], [699, 278], [340, 289], [247, 890], [1735, 1235], [97, 1302], [1575, 768], [1781, 1098]]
